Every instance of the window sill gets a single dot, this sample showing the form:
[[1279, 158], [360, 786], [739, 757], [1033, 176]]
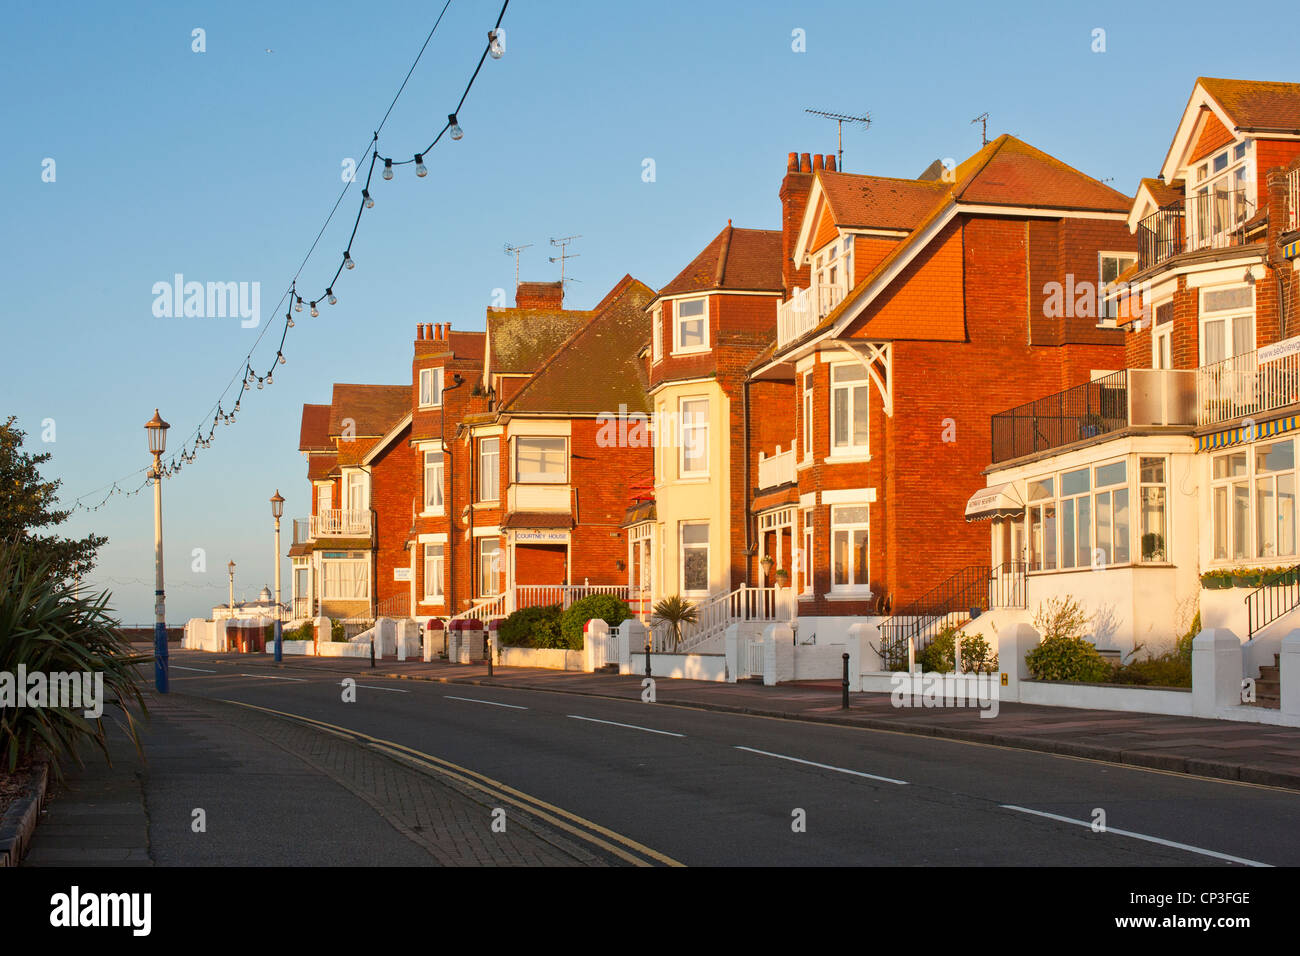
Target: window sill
[[432, 514], [438, 603], [427, 408], [845, 459], [699, 350], [804, 465], [864, 594], [490, 503]]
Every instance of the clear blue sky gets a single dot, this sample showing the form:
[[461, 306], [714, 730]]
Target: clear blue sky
[[222, 165]]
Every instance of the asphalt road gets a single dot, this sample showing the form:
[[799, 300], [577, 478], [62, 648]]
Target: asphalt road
[[704, 788]]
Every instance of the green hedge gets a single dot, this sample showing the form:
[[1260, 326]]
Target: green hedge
[[532, 627], [613, 611]]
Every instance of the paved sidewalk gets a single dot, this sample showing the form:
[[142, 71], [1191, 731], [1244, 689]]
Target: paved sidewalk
[[272, 792], [1231, 750]]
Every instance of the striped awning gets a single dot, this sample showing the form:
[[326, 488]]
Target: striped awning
[[1248, 433], [993, 502], [1291, 250]]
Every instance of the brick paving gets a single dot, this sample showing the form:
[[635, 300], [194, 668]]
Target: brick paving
[[1263, 754]]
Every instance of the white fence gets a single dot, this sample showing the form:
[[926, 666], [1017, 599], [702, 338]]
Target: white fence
[[1244, 386], [341, 522]]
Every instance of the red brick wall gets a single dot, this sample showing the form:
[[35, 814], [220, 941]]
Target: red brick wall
[[394, 483], [540, 564], [1214, 135]]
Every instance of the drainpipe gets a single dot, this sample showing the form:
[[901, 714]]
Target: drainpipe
[[450, 472], [749, 545]]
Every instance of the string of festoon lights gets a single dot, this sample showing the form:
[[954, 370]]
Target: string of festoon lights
[[223, 411]]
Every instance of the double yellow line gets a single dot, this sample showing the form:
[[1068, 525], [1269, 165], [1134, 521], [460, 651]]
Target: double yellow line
[[624, 848]]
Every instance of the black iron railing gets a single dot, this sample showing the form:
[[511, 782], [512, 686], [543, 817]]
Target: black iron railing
[[1278, 594], [1083, 411], [1208, 220], [965, 595]]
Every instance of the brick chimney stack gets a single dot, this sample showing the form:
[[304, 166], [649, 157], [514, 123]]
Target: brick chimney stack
[[795, 190], [539, 295]]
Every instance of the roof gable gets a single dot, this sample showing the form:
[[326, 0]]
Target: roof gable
[[314, 434], [736, 260], [1241, 106], [367, 411]]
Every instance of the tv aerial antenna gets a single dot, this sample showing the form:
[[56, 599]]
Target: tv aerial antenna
[[515, 251], [840, 119], [563, 245], [983, 120]]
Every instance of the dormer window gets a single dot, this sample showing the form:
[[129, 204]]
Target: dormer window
[[691, 325], [430, 387], [1222, 201]]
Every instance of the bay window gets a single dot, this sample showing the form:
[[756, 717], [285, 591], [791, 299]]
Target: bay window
[[849, 391], [1076, 519], [433, 571], [489, 469], [695, 557], [849, 547], [1275, 499], [1230, 497], [1111, 482], [345, 575], [694, 417], [489, 566], [1042, 525], [1153, 493], [433, 471], [691, 326], [541, 460]]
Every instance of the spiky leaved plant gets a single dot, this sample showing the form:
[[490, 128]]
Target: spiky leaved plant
[[676, 611], [47, 627]]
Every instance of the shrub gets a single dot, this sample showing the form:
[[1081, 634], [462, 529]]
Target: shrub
[[675, 611], [1064, 653], [337, 632], [46, 627], [613, 611], [532, 627], [976, 655], [303, 632]]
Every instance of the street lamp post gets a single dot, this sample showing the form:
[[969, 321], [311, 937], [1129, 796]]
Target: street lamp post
[[156, 429], [277, 509], [231, 568]]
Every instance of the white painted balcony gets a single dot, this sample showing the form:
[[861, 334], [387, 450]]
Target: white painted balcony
[[776, 468], [806, 307], [341, 523], [539, 498], [1249, 384]]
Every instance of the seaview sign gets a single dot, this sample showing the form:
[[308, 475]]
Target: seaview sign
[[1278, 350]]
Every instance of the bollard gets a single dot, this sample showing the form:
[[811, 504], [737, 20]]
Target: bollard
[[372, 650], [647, 658], [844, 686], [487, 650]]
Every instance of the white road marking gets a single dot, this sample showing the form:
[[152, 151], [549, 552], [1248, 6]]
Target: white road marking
[[178, 667], [615, 723], [1139, 836], [394, 690], [300, 680], [824, 766], [475, 700]]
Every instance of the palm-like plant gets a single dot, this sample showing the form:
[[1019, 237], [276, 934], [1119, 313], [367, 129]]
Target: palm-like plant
[[675, 611], [47, 627]]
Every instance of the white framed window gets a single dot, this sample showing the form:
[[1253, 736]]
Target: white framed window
[[430, 387], [807, 415], [690, 325], [489, 469], [1153, 497], [849, 537], [1227, 322], [358, 483], [1253, 502], [1110, 266], [693, 414], [1042, 524], [1111, 506], [489, 566], [849, 409], [806, 555], [1076, 518], [324, 498], [345, 575], [1222, 199], [1162, 335], [433, 473], [434, 563], [541, 460], [695, 557], [657, 334], [1230, 506]]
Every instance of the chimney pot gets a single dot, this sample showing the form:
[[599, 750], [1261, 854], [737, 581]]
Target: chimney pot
[[830, 163], [792, 164], [419, 332], [817, 162], [441, 334], [428, 330], [805, 163]]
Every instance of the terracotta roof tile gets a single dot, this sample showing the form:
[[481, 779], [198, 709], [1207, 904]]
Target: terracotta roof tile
[[878, 202], [320, 466], [1257, 104], [596, 369], [373, 409], [1164, 195], [745, 260], [521, 339], [537, 519], [314, 435]]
